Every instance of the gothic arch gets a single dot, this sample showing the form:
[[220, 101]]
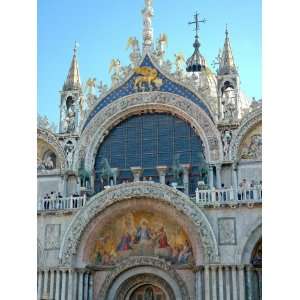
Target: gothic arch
[[253, 235], [149, 190], [49, 138], [121, 109], [249, 121], [132, 267]]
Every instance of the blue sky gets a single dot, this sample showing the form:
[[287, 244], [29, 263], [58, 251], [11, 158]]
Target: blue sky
[[102, 28]]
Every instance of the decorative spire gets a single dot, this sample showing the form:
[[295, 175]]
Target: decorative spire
[[227, 65], [196, 62], [147, 19], [73, 78]]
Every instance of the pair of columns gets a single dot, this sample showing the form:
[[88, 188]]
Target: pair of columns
[[65, 286], [219, 282], [162, 172], [211, 182]]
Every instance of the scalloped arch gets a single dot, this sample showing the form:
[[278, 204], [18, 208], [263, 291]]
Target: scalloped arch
[[115, 194], [111, 115], [49, 138], [250, 120]]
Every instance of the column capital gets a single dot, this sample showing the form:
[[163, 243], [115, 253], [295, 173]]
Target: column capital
[[186, 167], [241, 267], [218, 166], [162, 170], [137, 172]]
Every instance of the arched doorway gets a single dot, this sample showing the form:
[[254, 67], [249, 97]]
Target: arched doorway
[[256, 262], [147, 292], [145, 287]]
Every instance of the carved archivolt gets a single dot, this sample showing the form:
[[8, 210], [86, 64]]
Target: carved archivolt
[[155, 263], [247, 244], [52, 140], [103, 200], [249, 121], [121, 109]]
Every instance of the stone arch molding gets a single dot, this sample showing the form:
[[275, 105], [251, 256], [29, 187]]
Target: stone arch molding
[[134, 266], [52, 140], [103, 200], [248, 122], [119, 110], [244, 251]]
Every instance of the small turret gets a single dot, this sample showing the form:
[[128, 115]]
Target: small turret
[[228, 85], [71, 96]]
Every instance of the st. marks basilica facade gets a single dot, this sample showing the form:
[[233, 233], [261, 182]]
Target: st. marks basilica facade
[[151, 187]]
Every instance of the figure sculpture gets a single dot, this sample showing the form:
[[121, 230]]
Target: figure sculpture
[[84, 175], [147, 76], [108, 176], [177, 170]]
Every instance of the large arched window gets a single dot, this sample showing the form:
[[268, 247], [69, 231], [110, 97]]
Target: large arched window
[[148, 141]]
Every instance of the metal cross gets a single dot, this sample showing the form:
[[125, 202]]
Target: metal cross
[[197, 22]]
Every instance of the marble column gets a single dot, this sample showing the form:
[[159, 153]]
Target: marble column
[[249, 283], [80, 285], [234, 283], [51, 293], [137, 173], [63, 285], [199, 294], [241, 282], [116, 173], [214, 281], [186, 171], [221, 283], [259, 283], [227, 282], [57, 285], [86, 286], [206, 283], [234, 177], [162, 171], [45, 288], [74, 288], [70, 285], [211, 176], [39, 290], [91, 286], [218, 176]]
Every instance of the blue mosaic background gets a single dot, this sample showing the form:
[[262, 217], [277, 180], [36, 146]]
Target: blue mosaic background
[[128, 88]]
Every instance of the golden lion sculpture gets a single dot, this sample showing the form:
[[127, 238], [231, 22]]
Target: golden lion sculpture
[[148, 76]]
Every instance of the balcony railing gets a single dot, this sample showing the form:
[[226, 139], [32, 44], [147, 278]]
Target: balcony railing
[[213, 198], [231, 197], [67, 203]]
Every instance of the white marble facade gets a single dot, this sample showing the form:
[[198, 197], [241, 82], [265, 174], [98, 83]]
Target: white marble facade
[[223, 221]]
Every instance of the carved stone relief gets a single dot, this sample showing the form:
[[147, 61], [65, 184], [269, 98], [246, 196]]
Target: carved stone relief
[[227, 231], [52, 236]]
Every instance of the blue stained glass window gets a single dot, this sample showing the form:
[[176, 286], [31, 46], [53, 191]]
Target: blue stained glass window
[[147, 141]]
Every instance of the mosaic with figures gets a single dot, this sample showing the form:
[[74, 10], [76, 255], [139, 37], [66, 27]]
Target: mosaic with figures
[[141, 234]]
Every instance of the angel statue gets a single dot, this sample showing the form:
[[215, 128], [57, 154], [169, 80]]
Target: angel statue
[[90, 85], [161, 45], [102, 88], [179, 61], [133, 44], [115, 69], [135, 55]]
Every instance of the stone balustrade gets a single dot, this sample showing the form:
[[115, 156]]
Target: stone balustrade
[[216, 197], [66, 203], [212, 197]]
